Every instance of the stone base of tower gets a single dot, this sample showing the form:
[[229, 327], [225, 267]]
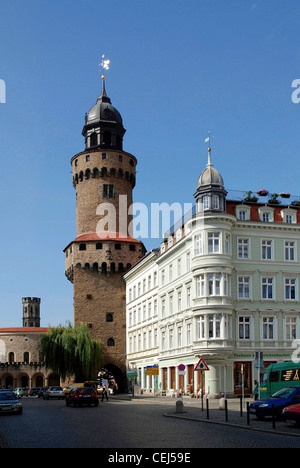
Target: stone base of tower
[[100, 301]]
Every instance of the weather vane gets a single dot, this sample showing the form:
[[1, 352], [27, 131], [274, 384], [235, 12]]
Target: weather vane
[[207, 140], [104, 65]]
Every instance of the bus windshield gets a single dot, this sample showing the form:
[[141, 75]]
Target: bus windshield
[[284, 393]]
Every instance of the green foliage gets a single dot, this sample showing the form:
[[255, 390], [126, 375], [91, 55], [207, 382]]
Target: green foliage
[[71, 351]]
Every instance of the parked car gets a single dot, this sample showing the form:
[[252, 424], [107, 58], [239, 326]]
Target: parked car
[[291, 413], [70, 387], [34, 391], [54, 392], [9, 403], [277, 402], [82, 396], [20, 392], [42, 391]]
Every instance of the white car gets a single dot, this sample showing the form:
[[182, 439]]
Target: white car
[[54, 392]]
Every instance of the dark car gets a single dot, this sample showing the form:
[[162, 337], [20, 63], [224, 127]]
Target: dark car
[[276, 403], [42, 391], [34, 391], [9, 403], [82, 396]]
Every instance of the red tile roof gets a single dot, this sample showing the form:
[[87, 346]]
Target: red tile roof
[[23, 329]]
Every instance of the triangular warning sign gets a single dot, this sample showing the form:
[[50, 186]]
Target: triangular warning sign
[[201, 366]]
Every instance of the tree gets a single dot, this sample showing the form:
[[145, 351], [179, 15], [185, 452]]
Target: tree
[[71, 351]]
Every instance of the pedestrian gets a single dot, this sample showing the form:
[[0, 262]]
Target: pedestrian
[[104, 392]]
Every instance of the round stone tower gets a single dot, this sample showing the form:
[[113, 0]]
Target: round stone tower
[[103, 177]]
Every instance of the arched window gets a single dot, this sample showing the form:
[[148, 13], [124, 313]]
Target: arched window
[[107, 138], [11, 358], [26, 358], [110, 342], [109, 318]]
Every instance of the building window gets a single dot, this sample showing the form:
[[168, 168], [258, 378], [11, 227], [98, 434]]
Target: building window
[[213, 242], [103, 155], [216, 202], [267, 288], [243, 248], [200, 283], [120, 158], [98, 246], [11, 358], [117, 246], [26, 358], [289, 251], [290, 289], [290, 327], [108, 191], [266, 249], [214, 284], [132, 248], [109, 318], [179, 337], [110, 342], [268, 328], [87, 158], [201, 328], [198, 244], [82, 246], [179, 298], [214, 326], [243, 287], [206, 202], [244, 328]]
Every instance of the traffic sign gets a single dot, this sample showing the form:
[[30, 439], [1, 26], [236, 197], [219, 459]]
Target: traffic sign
[[181, 367], [201, 366]]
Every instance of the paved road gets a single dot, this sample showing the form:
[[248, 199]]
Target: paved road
[[123, 424]]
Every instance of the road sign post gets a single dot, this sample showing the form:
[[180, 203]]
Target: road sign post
[[201, 367]]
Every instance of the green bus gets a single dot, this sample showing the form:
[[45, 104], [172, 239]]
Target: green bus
[[278, 376]]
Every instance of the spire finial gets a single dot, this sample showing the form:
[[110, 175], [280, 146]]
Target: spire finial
[[104, 66], [207, 140]]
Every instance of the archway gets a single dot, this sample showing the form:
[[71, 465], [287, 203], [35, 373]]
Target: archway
[[118, 376]]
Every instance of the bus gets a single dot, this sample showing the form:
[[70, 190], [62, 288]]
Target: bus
[[278, 376]]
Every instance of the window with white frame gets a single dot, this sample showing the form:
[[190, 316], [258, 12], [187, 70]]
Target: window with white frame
[[150, 338], [171, 338], [171, 304], [266, 249], [170, 273], [214, 325], [188, 297], [189, 333], [291, 328], [214, 284], [227, 248], [200, 286], [179, 336], [179, 268], [155, 337], [179, 301], [289, 251], [163, 340], [243, 248], [268, 328], [213, 242], [201, 327], [163, 308], [267, 284], [198, 244], [188, 261], [216, 202], [244, 287], [244, 328], [290, 289], [206, 202]]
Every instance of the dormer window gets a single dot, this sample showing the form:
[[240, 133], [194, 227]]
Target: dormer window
[[266, 214], [289, 216]]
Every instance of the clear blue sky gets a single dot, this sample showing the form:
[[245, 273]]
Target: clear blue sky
[[178, 69]]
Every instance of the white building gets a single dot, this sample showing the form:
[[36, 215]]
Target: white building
[[226, 288]]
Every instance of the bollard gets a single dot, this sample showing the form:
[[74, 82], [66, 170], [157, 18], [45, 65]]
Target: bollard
[[248, 414], [241, 406], [207, 408], [226, 411], [179, 406], [273, 416]]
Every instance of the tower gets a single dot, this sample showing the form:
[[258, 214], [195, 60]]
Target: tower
[[31, 312], [103, 177]]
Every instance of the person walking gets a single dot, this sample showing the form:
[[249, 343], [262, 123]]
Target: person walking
[[104, 392]]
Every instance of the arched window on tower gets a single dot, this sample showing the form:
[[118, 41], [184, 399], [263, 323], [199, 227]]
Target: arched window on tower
[[107, 138], [109, 318], [110, 342], [26, 358]]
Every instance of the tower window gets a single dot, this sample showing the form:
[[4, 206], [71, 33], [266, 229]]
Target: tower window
[[132, 248], [88, 158], [108, 191], [103, 155], [120, 158], [93, 139], [99, 246], [117, 246], [82, 246], [109, 318], [110, 342]]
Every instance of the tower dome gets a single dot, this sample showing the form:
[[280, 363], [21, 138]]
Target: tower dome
[[210, 176], [103, 127], [210, 194]]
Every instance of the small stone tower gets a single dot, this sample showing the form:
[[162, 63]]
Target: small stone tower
[[31, 312], [103, 177]]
